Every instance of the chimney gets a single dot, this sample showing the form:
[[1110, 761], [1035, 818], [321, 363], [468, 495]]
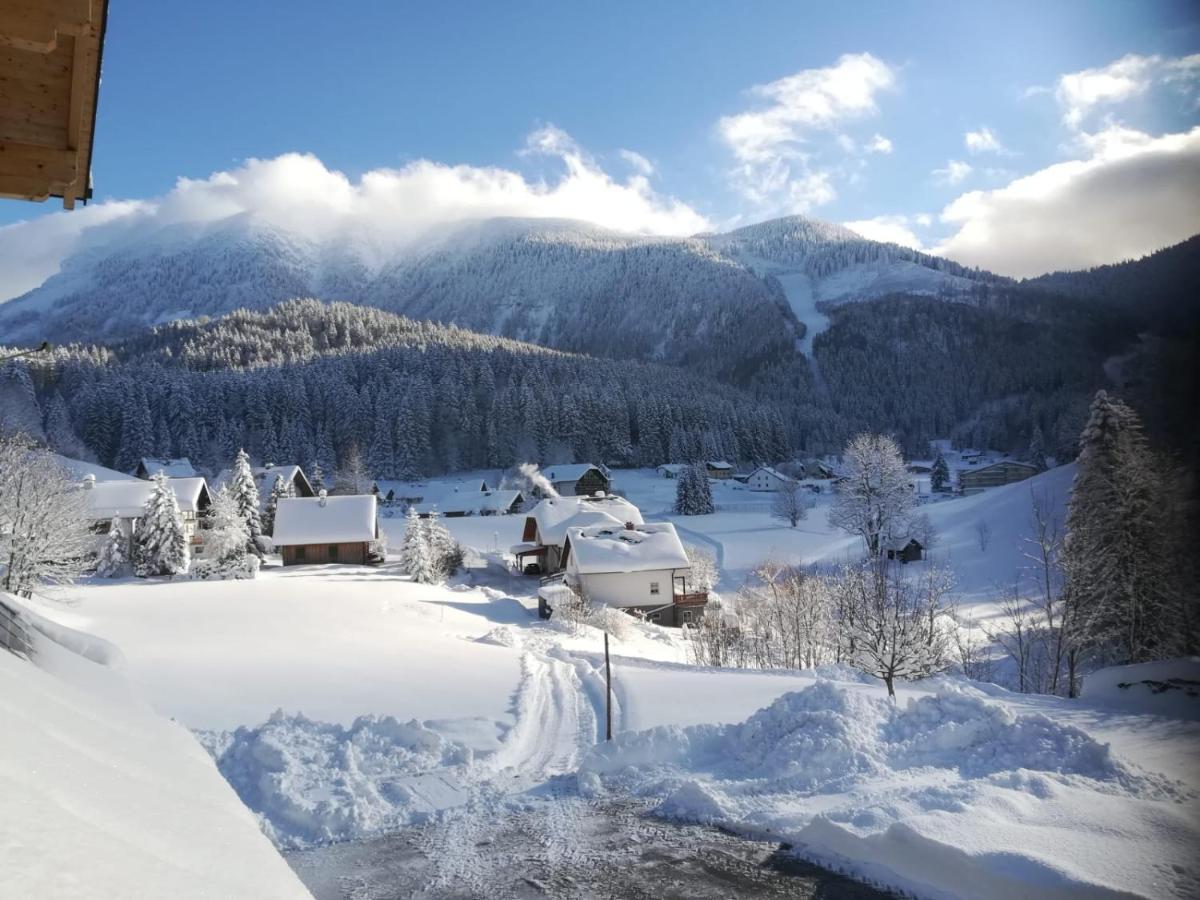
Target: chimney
[[321, 496], [89, 481], [629, 526]]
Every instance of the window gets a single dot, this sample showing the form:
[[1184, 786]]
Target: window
[[653, 587], [299, 554], [655, 617], [333, 551]]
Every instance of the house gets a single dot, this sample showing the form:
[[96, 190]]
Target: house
[[577, 479], [125, 501], [815, 468], [640, 568], [764, 478], [997, 474], [670, 470], [149, 466], [540, 550], [915, 468], [264, 477], [411, 493], [906, 550], [455, 504], [719, 469], [326, 529]]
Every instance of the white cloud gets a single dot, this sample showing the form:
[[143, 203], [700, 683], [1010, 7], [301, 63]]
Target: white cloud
[[775, 166], [891, 229], [1132, 194], [298, 192], [1078, 93], [879, 144], [982, 141], [637, 162], [954, 172]]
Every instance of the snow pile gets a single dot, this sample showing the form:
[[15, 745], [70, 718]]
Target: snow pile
[[951, 795], [501, 636], [314, 782], [104, 798], [1170, 687]]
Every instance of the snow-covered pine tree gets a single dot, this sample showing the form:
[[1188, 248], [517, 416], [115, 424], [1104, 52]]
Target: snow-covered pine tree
[[1117, 550], [447, 554], [683, 492], [226, 537], [244, 490], [416, 553], [160, 545], [113, 559], [1037, 447], [279, 489], [693, 493], [318, 476], [939, 478]]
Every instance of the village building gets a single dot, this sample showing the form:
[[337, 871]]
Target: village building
[[264, 478], [905, 550], [149, 466], [126, 501], [816, 468], [326, 529], [719, 469], [764, 478], [639, 568], [577, 479], [995, 475], [413, 493], [541, 549], [670, 470]]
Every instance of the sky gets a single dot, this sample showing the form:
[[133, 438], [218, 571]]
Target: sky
[[1020, 137]]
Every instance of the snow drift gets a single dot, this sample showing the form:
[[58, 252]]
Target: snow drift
[[103, 798], [315, 782], [950, 795]]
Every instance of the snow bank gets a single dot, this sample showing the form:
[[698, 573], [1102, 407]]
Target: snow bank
[[1170, 687], [316, 782], [951, 795], [103, 798]]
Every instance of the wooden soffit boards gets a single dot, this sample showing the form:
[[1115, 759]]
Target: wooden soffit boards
[[50, 53]]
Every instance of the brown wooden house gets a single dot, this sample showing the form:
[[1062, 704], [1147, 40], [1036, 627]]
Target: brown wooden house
[[577, 479], [323, 529], [996, 475]]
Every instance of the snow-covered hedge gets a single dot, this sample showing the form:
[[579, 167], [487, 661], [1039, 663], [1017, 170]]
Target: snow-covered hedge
[[215, 569]]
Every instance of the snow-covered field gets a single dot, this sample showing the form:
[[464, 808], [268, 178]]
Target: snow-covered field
[[405, 703]]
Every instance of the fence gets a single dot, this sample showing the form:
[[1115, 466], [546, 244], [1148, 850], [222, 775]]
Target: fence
[[14, 636]]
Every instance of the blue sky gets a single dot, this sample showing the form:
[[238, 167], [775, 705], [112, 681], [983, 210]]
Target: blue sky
[[716, 99]]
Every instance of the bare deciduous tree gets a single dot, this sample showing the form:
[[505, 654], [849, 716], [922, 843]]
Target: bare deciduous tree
[[790, 503], [983, 534], [44, 534]]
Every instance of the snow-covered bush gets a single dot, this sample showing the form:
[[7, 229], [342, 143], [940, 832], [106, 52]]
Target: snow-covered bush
[[113, 559]]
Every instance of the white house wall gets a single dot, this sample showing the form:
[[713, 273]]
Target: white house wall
[[622, 589]]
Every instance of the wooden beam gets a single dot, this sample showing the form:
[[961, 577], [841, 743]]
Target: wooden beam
[[58, 167], [34, 25]]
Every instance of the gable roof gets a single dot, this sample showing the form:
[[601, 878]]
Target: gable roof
[[180, 467], [718, 464], [999, 462], [775, 473], [264, 477], [644, 548], [556, 514], [78, 469], [127, 499], [570, 472], [336, 520]]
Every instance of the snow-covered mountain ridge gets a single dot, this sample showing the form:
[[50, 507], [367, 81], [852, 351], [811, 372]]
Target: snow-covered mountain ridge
[[719, 300]]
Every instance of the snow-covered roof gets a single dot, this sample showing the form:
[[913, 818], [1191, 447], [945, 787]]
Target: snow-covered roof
[[329, 520], [424, 491], [607, 548], [264, 477], [556, 514], [673, 468], [1001, 462], [570, 472], [718, 464], [774, 473], [180, 467], [127, 499], [468, 501], [79, 469]]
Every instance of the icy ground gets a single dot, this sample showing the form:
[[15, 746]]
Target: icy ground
[[560, 845]]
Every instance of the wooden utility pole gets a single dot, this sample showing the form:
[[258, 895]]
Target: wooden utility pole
[[608, 692]]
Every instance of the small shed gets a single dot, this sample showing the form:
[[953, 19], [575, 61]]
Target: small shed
[[325, 529], [719, 469], [906, 550], [670, 470]]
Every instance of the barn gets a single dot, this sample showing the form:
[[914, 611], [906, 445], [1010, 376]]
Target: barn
[[577, 479], [324, 529]]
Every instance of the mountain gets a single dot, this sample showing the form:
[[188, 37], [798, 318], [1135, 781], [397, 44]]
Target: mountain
[[730, 304]]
